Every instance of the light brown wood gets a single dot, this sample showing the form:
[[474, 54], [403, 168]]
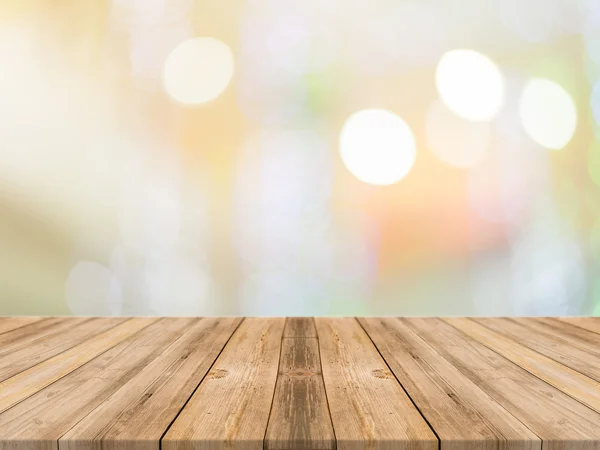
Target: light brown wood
[[552, 339], [12, 323], [21, 336], [369, 409], [16, 358], [463, 416], [38, 333], [574, 335], [299, 384], [139, 413], [300, 327], [569, 381], [559, 420], [39, 421], [587, 323], [300, 415], [230, 410], [35, 378]]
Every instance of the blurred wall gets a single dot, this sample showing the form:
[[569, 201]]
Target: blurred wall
[[267, 157]]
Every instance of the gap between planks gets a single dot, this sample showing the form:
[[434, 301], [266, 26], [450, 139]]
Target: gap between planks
[[160, 441], [299, 418], [399, 382], [544, 365], [472, 329]]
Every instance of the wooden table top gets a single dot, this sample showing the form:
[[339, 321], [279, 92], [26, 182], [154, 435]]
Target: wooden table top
[[299, 383]]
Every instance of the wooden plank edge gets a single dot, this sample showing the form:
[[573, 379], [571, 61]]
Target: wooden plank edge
[[389, 369], [193, 392]]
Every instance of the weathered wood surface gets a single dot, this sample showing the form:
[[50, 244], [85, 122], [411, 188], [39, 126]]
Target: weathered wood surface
[[299, 383], [11, 323], [18, 356], [369, 409], [231, 407], [463, 415], [300, 414]]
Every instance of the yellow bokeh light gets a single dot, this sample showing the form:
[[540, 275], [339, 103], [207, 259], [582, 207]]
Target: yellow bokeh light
[[470, 84], [377, 146], [548, 113], [198, 70]]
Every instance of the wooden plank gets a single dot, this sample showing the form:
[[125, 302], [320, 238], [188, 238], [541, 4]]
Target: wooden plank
[[571, 333], [11, 323], [38, 334], [369, 409], [300, 327], [35, 378], [558, 375], [587, 323], [480, 384], [230, 409], [16, 358], [299, 416], [39, 421], [463, 416], [138, 414], [20, 337], [554, 342], [559, 420]]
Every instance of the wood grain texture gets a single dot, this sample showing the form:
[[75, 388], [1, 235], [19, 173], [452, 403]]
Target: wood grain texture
[[300, 415], [574, 335], [21, 336], [369, 409], [300, 327], [11, 323], [569, 381], [553, 339], [35, 378], [559, 420], [39, 333], [230, 410], [40, 420], [16, 358], [299, 384], [140, 411], [463, 416], [587, 323]]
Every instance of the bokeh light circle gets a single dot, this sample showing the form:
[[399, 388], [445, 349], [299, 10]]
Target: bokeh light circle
[[198, 70], [377, 146], [470, 84], [548, 113]]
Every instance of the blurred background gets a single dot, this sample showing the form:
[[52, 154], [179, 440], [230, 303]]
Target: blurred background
[[316, 157]]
